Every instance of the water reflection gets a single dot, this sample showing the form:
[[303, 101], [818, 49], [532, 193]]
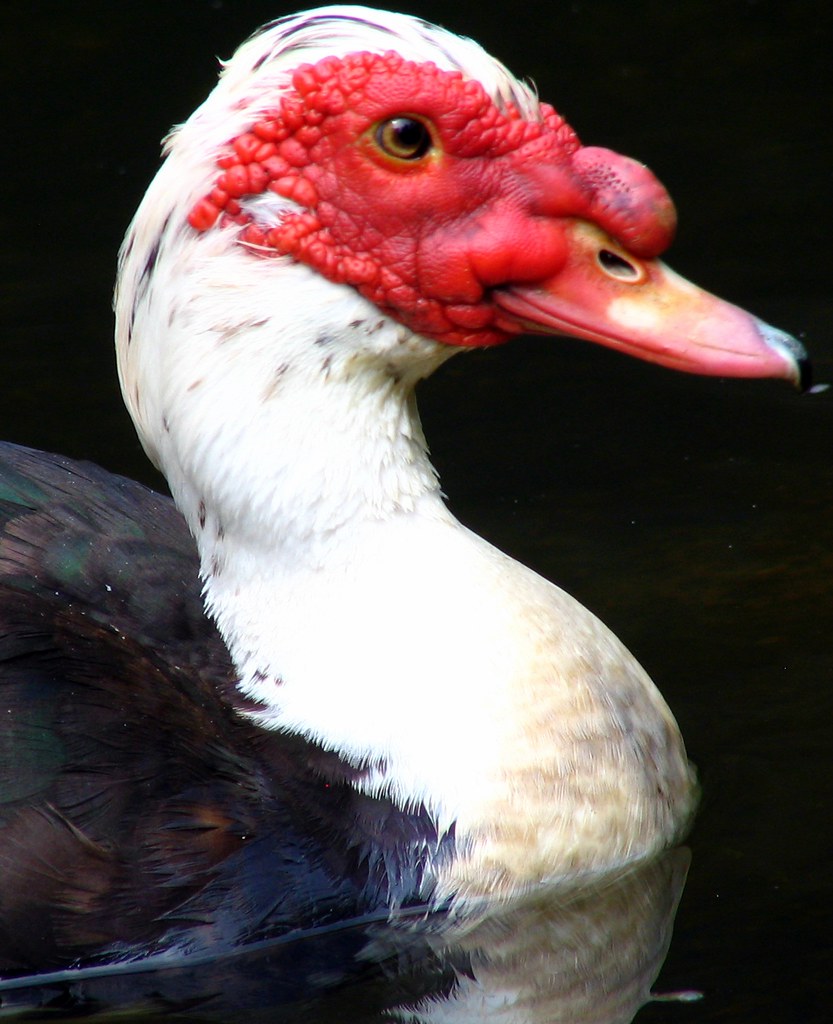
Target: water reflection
[[580, 954], [586, 952]]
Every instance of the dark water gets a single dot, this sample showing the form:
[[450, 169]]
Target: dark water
[[692, 515]]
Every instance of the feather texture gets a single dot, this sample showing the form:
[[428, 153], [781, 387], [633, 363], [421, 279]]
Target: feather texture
[[139, 810]]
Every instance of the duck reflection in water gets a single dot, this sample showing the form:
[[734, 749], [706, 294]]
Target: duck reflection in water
[[583, 953]]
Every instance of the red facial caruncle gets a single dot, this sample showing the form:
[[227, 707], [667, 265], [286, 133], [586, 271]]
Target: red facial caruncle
[[415, 187]]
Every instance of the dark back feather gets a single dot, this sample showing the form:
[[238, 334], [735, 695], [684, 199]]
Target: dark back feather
[[140, 811]]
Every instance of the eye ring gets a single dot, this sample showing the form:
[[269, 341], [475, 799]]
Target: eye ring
[[404, 138]]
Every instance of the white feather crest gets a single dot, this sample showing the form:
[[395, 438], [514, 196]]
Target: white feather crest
[[261, 67]]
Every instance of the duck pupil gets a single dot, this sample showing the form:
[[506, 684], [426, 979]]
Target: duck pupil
[[411, 136]]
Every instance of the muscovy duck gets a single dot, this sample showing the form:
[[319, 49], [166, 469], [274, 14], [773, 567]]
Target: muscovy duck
[[374, 708]]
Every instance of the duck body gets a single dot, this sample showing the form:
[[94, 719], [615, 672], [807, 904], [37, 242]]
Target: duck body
[[344, 703], [142, 810], [132, 758]]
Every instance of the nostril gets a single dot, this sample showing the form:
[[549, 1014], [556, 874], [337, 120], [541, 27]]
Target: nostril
[[617, 266]]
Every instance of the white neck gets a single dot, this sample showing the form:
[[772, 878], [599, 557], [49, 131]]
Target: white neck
[[357, 610]]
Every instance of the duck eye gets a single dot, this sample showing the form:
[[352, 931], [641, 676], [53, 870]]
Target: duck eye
[[404, 138]]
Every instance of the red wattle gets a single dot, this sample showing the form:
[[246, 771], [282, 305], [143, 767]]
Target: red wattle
[[626, 200]]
